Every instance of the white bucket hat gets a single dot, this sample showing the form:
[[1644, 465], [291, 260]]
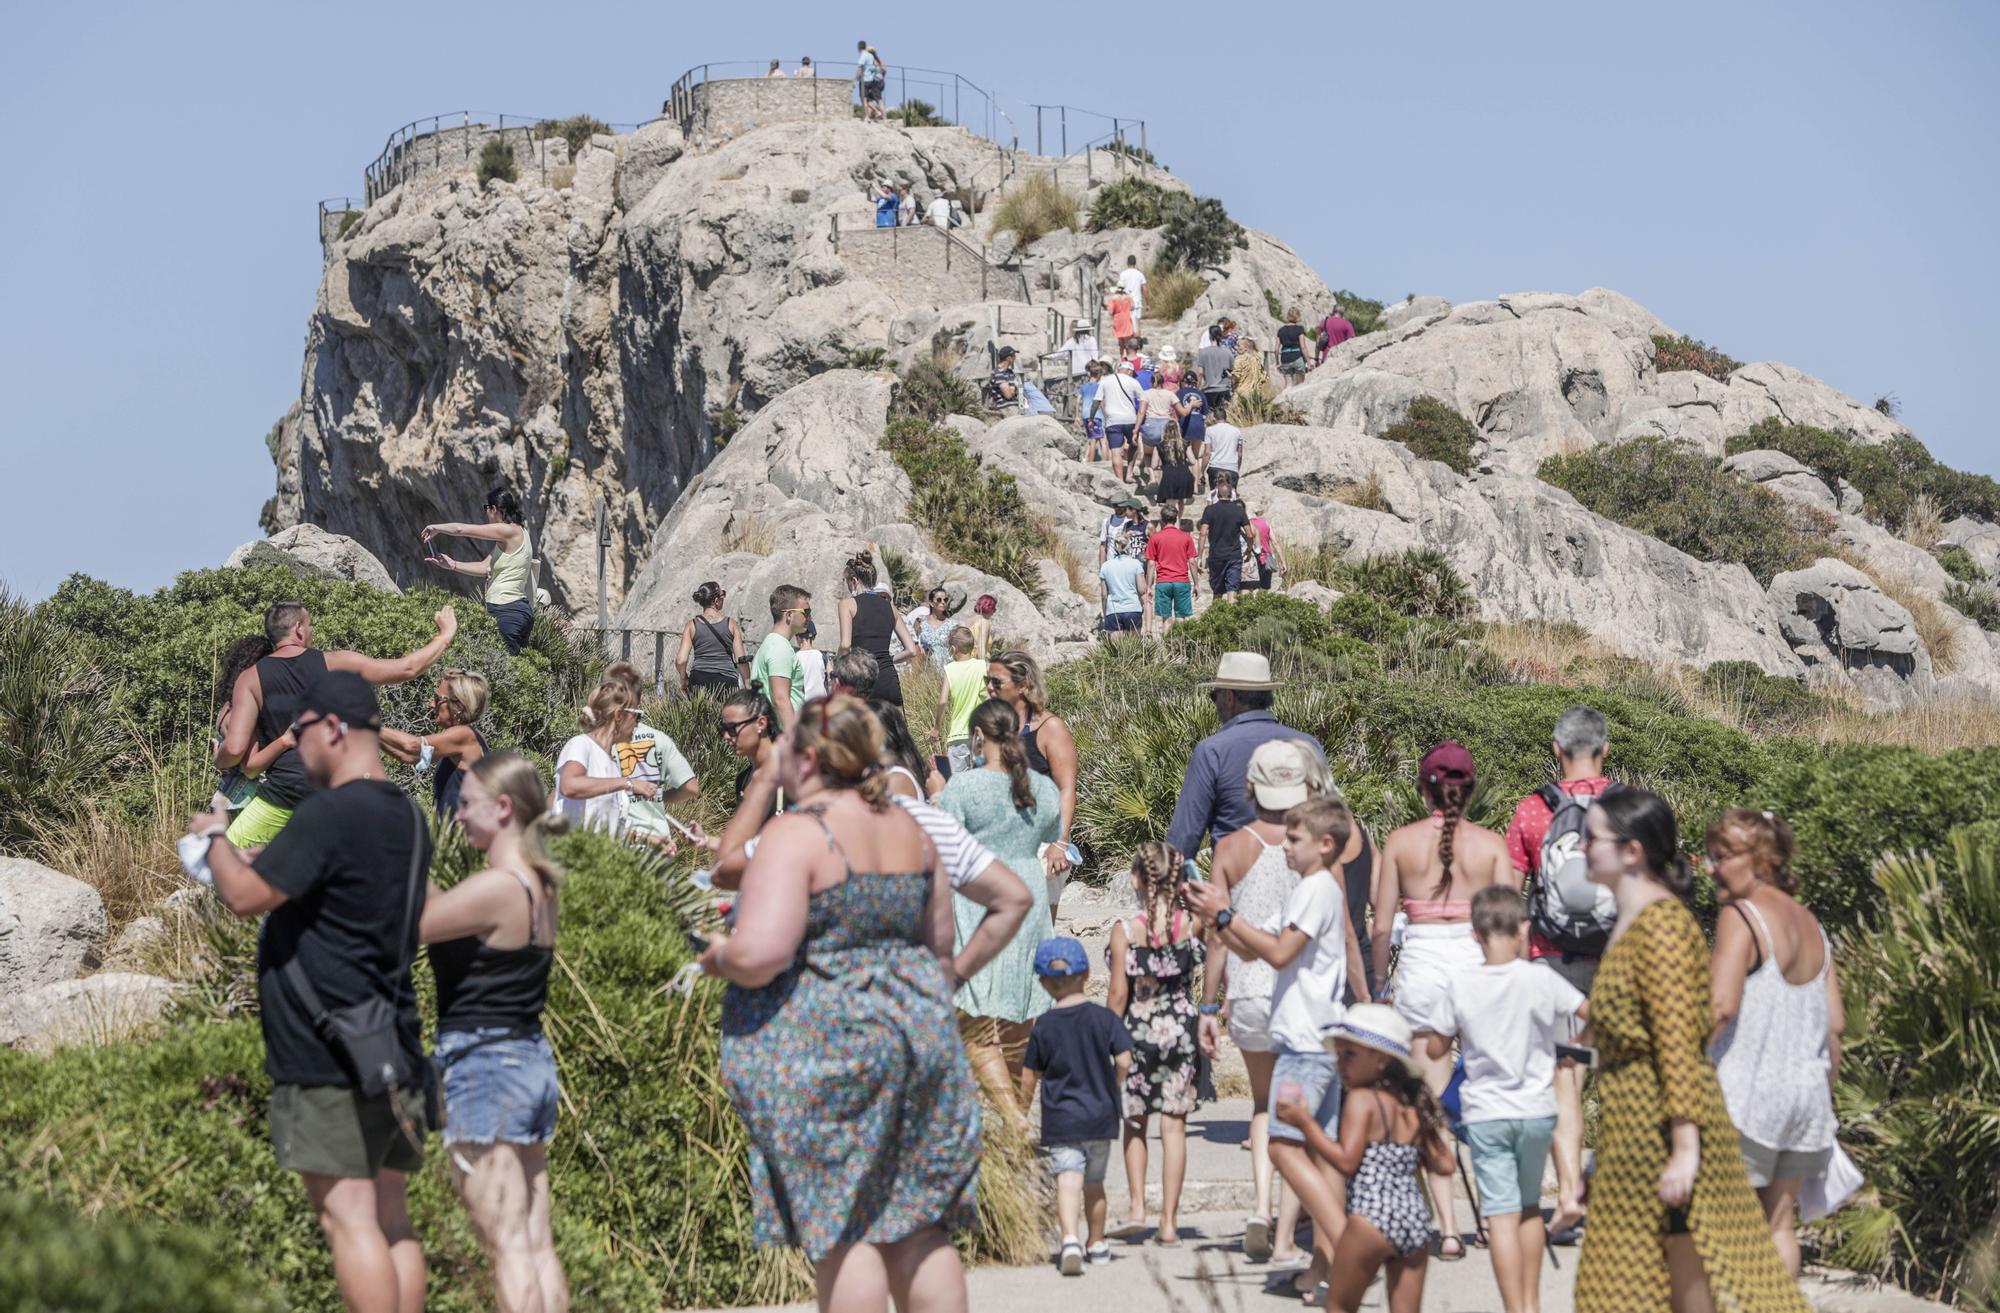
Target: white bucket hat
[[1248, 671], [1380, 1027]]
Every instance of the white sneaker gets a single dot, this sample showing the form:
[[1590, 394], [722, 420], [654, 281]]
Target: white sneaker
[[1098, 1253], [1070, 1262]]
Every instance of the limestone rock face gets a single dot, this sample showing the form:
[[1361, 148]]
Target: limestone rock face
[[1784, 476], [1417, 308], [1849, 633], [101, 1009], [312, 550], [52, 926]]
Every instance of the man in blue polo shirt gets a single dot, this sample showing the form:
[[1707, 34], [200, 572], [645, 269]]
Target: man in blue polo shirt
[[1212, 795]]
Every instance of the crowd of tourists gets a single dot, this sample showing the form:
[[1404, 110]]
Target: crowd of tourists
[[894, 972]]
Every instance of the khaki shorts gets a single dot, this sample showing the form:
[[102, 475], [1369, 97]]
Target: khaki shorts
[[330, 1130]]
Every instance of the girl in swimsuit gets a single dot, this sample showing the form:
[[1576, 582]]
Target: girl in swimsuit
[[1390, 1126]]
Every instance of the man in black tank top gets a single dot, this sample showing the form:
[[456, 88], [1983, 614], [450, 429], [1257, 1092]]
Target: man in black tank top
[[293, 667]]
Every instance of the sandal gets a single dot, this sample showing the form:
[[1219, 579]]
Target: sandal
[[1438, 1250], [1257, 1239]]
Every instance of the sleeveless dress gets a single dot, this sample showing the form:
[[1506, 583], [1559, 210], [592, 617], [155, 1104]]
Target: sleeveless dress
[[1258, 897], [1773, 1061], [1386, 1193], [1161, 1015], [849, 1075], [1650, 1011], [933, 635], [874, 626]]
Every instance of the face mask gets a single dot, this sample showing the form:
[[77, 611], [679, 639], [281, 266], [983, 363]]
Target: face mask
[[812, 631]]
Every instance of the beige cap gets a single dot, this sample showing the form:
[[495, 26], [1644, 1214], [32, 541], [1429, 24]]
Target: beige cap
[[1280, 774]]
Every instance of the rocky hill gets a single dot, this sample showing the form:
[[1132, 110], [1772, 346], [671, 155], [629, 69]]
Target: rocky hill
[[669, 323]]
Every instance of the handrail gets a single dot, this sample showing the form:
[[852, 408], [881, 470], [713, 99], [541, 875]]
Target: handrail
[[954, 92], [332, 205], [383, 174]]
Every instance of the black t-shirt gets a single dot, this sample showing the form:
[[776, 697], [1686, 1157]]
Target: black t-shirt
[[343, 864], [1072, 1048], [743, 783], [1225, 522], [1289, 342]]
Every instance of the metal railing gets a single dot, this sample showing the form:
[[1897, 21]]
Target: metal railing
[[953, 99], [1016, 284], [1053, 121], [652, 645], [334, 214], [421, 143]]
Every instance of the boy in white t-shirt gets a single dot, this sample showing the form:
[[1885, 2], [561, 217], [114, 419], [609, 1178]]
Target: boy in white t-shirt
[[1312, 944], [1508, 1017]]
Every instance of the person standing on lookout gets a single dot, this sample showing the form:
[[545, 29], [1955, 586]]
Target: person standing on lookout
[[509, 571], [869, 79], [292, 668], [1213, 800]]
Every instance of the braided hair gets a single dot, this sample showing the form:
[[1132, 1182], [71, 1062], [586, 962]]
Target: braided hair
[[1158, 867], [1449, 797]]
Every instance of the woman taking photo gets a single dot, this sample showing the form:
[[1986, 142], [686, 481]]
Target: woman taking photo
[[838, 1047], [711, 654], [592, 788], [492, 939], [1432, 868], [1778, 1017], [1013, 811], [509, 571], [457, 704], [1015, 678], [1673, 1222], [868, 620]]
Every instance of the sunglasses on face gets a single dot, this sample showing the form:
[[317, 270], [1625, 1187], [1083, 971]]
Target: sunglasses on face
[[731, 727], [994, 681], [304, 723]]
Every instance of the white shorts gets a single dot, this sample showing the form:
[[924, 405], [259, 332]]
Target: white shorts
[[1433, 952], [1250, 1024]]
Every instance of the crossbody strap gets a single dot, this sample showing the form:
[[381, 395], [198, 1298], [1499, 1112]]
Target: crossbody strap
[[295, 975]]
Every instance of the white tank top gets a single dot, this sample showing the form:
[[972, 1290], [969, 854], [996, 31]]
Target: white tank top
[[1257, 897], [1773, 1059]]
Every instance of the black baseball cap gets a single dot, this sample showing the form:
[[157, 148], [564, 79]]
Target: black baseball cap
[[339, 693]]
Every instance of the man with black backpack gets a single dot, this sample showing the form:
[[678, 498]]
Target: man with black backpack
[[343, 886], [1569, 918]]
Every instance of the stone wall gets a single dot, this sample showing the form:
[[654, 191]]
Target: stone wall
[[457, 150], [727, 107], [926, 265]]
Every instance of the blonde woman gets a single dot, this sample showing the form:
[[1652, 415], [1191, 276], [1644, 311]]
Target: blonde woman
[[1016, 679], [592, 788], [492, 939], [457, 704]]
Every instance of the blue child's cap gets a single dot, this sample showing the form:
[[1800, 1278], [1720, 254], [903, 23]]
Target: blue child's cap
[[1061, 956]]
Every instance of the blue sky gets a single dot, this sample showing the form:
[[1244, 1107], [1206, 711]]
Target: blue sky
[[1812, 183]]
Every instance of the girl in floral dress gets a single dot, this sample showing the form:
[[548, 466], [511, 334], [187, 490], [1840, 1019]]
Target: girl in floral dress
[[1155, 959]]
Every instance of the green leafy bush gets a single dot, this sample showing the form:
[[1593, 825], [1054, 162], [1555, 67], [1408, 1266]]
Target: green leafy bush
[[1958, 563], [1890, 476], [496, 160], [1419, 582], [1223, 627], [349, 221], [576, 131], [932, 389], [1363, 313], [1682, 497], [1197, 232], [1035, 209], [1273, 304], [916, 113], [55, 1258], [1977, 602], [1128, 203], [1920, 1065], [59, 737], [867, 357], [1434, 431], [970, 513], [1769, 701], [1172, 291], [1132, 152], [1671, 353]]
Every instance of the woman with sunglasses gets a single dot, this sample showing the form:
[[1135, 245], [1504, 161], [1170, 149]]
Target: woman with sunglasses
[[1016, 678], [749, 730], [457, 704], [592, 789], [509, 571], [934, 626]]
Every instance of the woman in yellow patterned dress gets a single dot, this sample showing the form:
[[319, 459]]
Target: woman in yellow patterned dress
[[1674, 1225]]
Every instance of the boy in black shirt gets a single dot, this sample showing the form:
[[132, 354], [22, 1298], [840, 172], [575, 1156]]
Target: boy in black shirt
[[1081, 1054], [337, 886]]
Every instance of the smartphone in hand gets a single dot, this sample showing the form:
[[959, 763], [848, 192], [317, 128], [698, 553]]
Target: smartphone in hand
[[699, 943], [1583, 1055]]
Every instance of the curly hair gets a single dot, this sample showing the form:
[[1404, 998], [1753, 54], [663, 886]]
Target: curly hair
[[1433, 1131], [1767, 840]]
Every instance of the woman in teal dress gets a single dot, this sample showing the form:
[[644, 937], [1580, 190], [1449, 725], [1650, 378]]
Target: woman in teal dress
[[1013, 811], [838, 1048]]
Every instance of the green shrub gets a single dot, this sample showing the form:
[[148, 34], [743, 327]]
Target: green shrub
[[1129, 202], [1364, 314], [349, 221], [1172, 291], [1977, 602], [1671, 353], [1768, 701], [1920, 1064], [1289, 622], [267, 516], [916, 113], [906, 586], [576, 131], [1958, 563], [496, 160], [1273, 304], [1434, 431], [868, 357], [1197, 232], [272, 437], [723, 425], [932, 389], [1035, 209], [1890, 476], [1419, 582], [1132, 152], [1682, 497], [55, 1258], [971, 514], [60, 732]]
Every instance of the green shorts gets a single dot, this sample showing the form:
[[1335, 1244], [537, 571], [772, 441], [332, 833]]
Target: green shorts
[[258, 823], [1173, 600], [330, 1130]]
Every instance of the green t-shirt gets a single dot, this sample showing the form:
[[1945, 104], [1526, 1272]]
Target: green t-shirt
[[651, 755], [776, 656], [966, 681]]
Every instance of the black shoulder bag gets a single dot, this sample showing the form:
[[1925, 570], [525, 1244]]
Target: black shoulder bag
[[365, 1034]]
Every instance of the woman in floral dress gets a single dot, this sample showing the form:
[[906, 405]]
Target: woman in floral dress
[[1155, 959]]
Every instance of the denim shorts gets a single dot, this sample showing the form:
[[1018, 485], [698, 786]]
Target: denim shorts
[[1089, 1157], [497, 1091], [1225, 576], [1318, 1082], [1507, 1160], [1117, 435], [1152, 431]]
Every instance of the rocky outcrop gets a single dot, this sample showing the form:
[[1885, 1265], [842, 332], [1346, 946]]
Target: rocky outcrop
[[102, 1009], [1415, 309], [1784, 476], [52, 926], [1850, 634], [312, 550], [1979, 539]]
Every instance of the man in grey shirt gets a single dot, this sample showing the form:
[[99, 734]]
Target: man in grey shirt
[[1215, 361]]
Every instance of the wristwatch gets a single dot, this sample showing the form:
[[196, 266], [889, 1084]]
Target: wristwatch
[[1224, 917]]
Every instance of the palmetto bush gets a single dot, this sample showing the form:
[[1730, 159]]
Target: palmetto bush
[[1919, 1095], [60, 735]]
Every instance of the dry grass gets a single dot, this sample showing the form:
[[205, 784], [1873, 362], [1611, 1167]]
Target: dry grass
[[1035, 209], [1549, 653], [563, 177], [132, 865], [1927, 726], [1080, 571], [1924, 526], [749, 533], [1015, 1203], [1172, 292], [1363, 494]]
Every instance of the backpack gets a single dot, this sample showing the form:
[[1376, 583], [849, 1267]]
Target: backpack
[[1564, 907]]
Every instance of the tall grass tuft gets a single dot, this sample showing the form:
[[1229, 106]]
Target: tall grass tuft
[[60, 740], [1035, 209]]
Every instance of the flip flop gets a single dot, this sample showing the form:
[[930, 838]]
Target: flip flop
[[1443, 1257], [1257, 1239], [1127, 1230], [1175, 1243]]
